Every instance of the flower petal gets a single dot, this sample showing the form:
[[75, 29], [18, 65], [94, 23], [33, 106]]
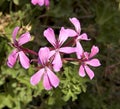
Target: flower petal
[[71, 32], [93, 62], [62, 36], [57, 62], [67, 50], [24, 60], [44, 55], [24, 38], [14, 34], [52, 53], [89, 72], [12, 58], [50, 36], [34, 2], [46, 82], [41, 2], [37, 77], [76, 23], [94, 51], [83, 37], [82, 71], [86, 55], [47, 2], [54, 80], [79, 50]]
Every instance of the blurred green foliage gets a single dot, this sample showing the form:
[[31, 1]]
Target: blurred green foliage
[[99, 19]]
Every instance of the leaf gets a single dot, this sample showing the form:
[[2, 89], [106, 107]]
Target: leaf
[[51, 100], [6, 100], [17, 2]]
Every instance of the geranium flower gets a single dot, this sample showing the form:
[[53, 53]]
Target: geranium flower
[[87, 59], [41, 2], [49, 78], [57, 43], [77, 35], [18, 52]]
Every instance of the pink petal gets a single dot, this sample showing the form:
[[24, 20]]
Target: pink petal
[[41, 2], [12, 59], [54, 80], [57, 62], [50, 36], [62, 36], [71, 32], [37, 77], [67, 50], [94, 51], [82, 71], [47, 2], [44, 55], [14, 34], [93, 62], [79, 50], [24, 38], [24, 60], [86, 55], [83, 37], [89, 72], [34, 2], [76, 23], [52, 53], [46, 82]]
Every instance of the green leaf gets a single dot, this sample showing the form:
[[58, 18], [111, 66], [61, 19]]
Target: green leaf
[[6, 100], [17, 2]]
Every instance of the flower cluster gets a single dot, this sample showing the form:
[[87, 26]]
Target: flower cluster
[[51, 59], [41, 2]]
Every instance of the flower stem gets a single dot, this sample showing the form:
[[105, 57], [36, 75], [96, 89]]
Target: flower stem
[[29, 51]]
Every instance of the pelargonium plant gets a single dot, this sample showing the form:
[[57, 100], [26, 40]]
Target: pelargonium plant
[[51, 59]]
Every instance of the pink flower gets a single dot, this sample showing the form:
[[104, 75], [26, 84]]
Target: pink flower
[[24, 38], [87, 59], [49, 78], [41, 2], [57, 43], [77, 35]]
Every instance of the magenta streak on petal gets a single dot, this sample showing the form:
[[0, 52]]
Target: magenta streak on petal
[[54, 80], [24, 60], [46, 82], [63, 35], [14, 34], [12, 58]]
